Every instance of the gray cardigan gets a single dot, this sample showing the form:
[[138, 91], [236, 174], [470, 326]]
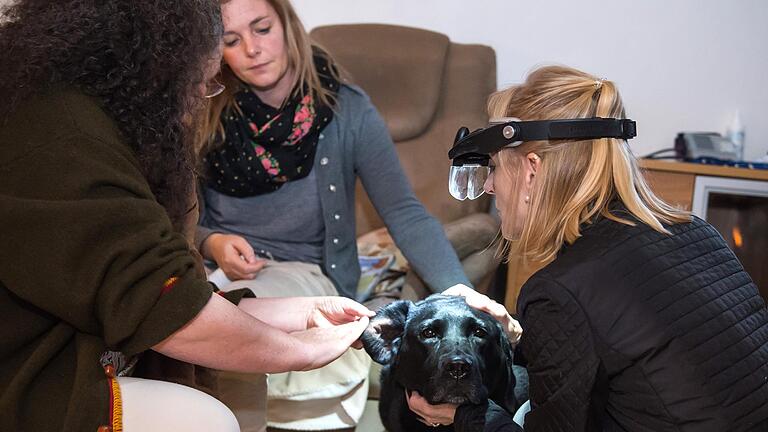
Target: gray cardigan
[[357, 144]]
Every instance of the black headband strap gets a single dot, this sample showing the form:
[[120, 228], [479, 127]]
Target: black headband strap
[[512, 133], [581, 129]]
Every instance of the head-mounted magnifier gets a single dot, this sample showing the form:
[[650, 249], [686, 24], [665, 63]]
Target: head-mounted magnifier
[[471, 151]]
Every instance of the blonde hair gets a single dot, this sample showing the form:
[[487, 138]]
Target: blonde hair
[[300, 60], [576, 181]]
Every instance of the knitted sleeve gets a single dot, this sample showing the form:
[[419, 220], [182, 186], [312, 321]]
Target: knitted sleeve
[[88, 243]]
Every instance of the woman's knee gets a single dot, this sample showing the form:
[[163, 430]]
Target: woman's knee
[[150, 405]]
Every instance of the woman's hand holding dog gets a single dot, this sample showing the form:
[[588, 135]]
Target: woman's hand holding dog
[[334, 311], [430, 415], [322, 345], [484, 303], [331, 325], [323, 318]]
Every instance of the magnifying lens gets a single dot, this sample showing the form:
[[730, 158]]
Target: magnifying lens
[[471, 152]]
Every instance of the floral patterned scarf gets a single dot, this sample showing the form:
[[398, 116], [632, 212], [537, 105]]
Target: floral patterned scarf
[[265, 147]]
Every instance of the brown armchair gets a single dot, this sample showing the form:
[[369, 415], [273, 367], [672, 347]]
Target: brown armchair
[[425, 87]]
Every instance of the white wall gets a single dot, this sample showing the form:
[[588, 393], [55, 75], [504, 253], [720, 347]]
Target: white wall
[[681, 65]]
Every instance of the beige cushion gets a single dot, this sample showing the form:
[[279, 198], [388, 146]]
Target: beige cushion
[[377, 61]]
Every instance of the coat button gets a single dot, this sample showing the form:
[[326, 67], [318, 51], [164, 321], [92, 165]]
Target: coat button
[[337, 216], [335, 241], [324, 161], [333, 266], [332, 188]]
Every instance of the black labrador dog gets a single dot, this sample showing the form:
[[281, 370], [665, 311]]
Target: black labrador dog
[[445, 350]]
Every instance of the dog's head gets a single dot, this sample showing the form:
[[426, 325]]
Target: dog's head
[[444, 349]]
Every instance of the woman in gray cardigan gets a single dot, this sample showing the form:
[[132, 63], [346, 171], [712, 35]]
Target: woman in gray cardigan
[[286, 142]]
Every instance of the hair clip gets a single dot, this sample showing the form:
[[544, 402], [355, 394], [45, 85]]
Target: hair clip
[[599, 83]]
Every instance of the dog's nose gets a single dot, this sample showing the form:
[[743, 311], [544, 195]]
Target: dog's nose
[[458, 368]]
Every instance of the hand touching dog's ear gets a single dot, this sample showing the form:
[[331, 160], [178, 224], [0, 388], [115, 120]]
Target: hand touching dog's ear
[[484, 303], [381, 339]]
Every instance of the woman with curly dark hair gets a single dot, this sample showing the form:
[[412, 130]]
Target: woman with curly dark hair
[[96, 177]]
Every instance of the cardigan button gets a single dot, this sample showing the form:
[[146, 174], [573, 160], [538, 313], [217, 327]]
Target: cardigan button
[[333, 266], [337, 216], [335, 241], [332, 188], [324, 161]]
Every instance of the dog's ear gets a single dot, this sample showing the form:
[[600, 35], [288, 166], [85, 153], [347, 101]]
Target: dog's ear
[[382, 337]]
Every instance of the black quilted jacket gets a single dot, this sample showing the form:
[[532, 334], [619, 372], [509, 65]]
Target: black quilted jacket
[[633, 330]]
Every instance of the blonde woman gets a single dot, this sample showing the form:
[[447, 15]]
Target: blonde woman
[[643, 319], [286, 142]]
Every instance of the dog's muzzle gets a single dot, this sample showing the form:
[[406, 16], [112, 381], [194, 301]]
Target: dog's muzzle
[[458, 367], [457, 381]]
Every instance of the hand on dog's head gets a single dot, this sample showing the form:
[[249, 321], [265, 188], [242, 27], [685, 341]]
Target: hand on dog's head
[[442, 348]]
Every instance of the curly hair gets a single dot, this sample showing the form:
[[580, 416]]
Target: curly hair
[[142, 59]]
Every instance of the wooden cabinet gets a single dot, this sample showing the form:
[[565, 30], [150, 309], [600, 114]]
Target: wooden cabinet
[[674, 182]]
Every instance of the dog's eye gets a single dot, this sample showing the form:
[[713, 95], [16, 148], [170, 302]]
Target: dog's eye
[[479, 332], [428, 333]]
